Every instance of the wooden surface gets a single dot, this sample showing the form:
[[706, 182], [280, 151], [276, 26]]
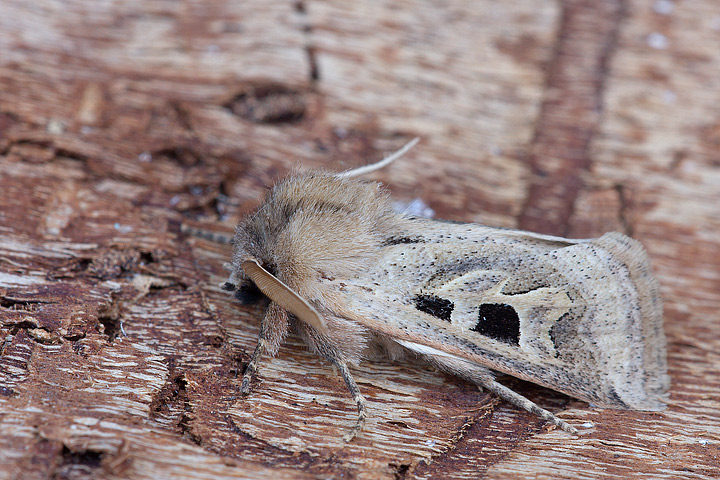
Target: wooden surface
[[119, 356]]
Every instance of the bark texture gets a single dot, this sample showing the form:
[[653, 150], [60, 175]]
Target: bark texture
[[121, 358]]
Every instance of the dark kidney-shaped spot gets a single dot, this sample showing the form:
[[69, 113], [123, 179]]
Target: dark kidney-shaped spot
[[435, 306], [498, 321]]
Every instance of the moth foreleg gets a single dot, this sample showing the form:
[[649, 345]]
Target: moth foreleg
[[251, 368], [273, 328], [356, 396]]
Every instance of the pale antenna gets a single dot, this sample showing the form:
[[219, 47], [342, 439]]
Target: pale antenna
[[378, 165]]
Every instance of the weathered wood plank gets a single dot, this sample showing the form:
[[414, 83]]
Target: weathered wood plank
[[119, 356]]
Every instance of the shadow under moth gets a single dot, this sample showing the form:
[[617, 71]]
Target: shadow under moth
[[355, 278]]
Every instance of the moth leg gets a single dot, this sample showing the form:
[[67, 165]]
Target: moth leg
[[273, 328], [483, 377], [323, 346], [356, 396], [518, 400], [251, 368]]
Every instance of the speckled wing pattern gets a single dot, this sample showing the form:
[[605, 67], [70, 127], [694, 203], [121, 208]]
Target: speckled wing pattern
[[583, 317]]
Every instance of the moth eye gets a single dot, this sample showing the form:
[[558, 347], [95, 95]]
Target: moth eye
[[248, 294], [498, 321], [435, 306], [272, 269]]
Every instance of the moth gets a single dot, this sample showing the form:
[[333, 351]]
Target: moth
[[355, 279]]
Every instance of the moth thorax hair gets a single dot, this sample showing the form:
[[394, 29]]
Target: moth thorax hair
[[316, 224]]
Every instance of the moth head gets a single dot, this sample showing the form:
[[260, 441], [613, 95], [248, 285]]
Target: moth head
[[311, 226], [282, 294], [251, 280], [244, 290]]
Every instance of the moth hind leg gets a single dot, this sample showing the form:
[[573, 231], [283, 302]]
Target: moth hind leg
[[483, 377], [356, 396], [518, 400], [321, 345]]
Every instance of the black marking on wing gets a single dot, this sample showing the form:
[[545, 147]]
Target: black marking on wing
[[557, 333], [435, 306], [499, 321], [457, 268], [401, 240]]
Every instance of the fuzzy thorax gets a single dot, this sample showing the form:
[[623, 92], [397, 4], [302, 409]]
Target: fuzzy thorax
[[315, 225]]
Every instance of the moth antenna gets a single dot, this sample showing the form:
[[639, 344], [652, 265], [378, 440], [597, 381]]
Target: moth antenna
[[283, 295], [362, 170], [378, 165]]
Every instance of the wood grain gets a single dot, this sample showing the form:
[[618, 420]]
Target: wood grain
[[119, 355]]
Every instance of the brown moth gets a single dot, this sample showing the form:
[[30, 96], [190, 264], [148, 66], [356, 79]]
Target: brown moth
[[354, 277]]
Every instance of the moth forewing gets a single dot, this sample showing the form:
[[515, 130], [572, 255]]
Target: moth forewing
[[572, 315]]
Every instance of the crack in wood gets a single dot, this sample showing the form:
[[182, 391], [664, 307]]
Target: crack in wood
[[301, 9], [109, 316], [570, 113], [625, 221], [26, 305]]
